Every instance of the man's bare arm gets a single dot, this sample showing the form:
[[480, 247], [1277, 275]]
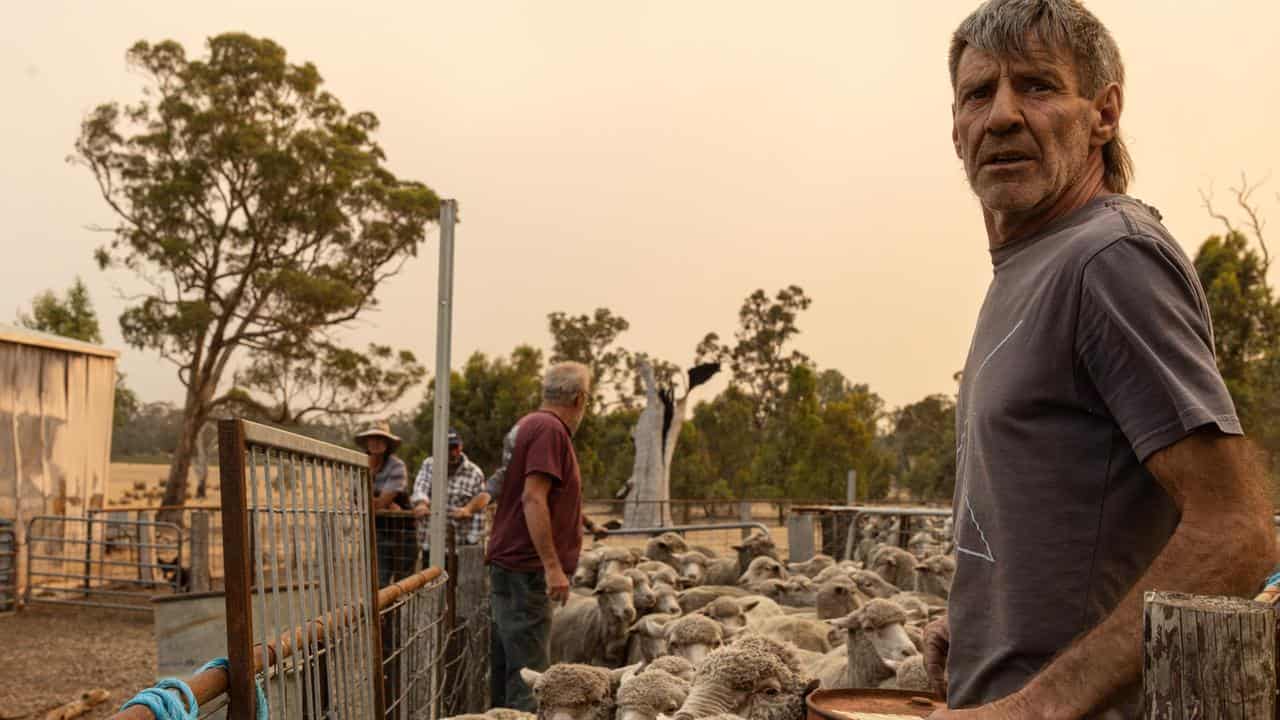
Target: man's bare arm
[[537, 516], [1223, 545]]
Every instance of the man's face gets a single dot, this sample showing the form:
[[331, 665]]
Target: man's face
[[1021, 127], [455, 453]]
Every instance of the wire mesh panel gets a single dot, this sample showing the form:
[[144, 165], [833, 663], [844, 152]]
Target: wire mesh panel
[[297, 547], [414, 639]]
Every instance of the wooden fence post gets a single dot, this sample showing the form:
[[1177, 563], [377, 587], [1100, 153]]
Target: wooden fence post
[[201, 579], [800, 537], [1207, 657]]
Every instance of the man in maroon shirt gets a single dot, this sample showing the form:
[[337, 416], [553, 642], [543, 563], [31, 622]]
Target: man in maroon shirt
[[537, 534]]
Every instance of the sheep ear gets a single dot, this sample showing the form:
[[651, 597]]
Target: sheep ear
[[852, 620], [530, 677], [749, 604], [615, 676], [738, 547]]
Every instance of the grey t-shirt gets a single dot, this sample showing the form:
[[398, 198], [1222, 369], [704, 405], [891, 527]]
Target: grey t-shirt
[[1093, 350]]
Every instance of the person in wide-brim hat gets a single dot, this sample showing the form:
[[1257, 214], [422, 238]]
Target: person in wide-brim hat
[[396, 550], [382, 430]]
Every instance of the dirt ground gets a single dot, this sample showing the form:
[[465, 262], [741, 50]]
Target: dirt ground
[[49, 654]]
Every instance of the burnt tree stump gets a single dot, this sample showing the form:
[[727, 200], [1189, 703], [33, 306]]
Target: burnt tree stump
[[1207, 657]]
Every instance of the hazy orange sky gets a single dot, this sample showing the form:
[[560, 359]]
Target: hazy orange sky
[[662, 159]]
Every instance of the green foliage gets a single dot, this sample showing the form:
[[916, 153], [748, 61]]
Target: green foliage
[[486, 398], [327, 381], [758, 357], [1246, 321], [589, 339], [924, 445], [72, 317], [257, 208]]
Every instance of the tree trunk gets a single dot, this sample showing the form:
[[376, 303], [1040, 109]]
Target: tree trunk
[[175, 487], [202, 461], [646, 503]]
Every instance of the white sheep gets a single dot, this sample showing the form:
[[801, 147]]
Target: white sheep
[[895, 565], [761, 569], [877, 642], [664, 548], [811, 567], [648, 694], [754, 678], [594, 629], [574, 692], [934, 575]]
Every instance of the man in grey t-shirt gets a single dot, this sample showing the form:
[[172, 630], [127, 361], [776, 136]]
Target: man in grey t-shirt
[[1098, 451]]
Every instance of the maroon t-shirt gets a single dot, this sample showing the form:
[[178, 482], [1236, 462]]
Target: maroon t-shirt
[[543, 445]]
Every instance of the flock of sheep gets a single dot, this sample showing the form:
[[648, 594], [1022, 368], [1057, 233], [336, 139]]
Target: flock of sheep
[[681, 633]]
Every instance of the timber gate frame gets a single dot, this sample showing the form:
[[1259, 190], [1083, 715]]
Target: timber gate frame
[[298, 543]]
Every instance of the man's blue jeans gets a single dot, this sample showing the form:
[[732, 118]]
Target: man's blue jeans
[[520, 635]]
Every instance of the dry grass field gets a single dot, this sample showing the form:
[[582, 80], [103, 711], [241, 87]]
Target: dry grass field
[[142, 484]]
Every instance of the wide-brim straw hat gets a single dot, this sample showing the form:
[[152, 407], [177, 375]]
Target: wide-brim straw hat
[[379, 429]]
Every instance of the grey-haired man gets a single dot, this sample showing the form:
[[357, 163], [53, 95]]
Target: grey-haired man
[[1098, 451]]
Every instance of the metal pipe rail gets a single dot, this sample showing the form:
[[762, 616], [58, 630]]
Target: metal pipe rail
[[688, 528], [210, 684]]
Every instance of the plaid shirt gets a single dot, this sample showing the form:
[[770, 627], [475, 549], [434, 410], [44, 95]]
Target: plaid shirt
[[464, 485]]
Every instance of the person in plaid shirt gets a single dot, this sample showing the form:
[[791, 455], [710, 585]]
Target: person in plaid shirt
[[467, 497]]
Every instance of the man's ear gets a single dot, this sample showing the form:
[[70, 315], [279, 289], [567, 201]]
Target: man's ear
[[1107, 107], [955, 133]]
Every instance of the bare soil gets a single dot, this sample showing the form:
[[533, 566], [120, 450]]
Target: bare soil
[[50, 654]]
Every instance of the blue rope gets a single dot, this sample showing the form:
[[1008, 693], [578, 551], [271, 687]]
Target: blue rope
[[1273, 580], [167, 706], [224, 665]]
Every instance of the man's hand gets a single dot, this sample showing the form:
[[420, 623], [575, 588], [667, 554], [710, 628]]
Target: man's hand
[[937, 643], [462, 513], [421, 509], [557, 585]]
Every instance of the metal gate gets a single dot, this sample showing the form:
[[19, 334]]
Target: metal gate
[[103, 562], [8, 567]]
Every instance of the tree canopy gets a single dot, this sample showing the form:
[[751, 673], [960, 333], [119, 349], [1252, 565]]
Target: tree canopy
[[257, 210]]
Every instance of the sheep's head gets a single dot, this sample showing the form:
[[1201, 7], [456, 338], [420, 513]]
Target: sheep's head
[[754, 678], [773, 589], [673, 664], [763, 568], [727, 612], [799, 592], [836, 598], [693, 637], [873, 585], [758, 544], [660, 573], [614, 594], [880, 623], [652, 633], [615, 560], [643, 595], [573, 692], [663, 547], [588, 564], [693, 568], [935, 573], [666, 599], [650, 693]]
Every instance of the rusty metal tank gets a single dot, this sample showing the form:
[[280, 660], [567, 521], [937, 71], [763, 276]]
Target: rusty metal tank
[[873, 704]]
